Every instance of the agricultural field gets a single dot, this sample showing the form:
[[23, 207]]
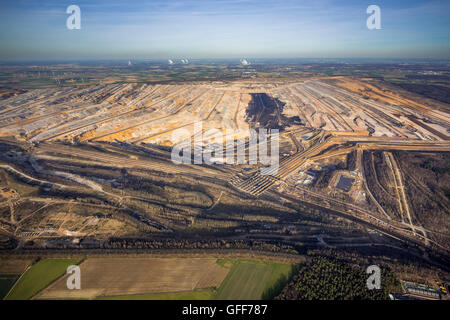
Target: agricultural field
[[14, 266], [148, 278], [250, 280], [10, 271], [204, 294], [246, 280], [6, 283], [38, 277], [108, 277]]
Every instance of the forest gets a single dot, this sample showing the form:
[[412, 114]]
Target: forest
[[326, 278]]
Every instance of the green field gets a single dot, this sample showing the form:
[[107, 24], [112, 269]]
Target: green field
[[6, 282], [206, 294], [252, 280], [247, 280], [38, 277]]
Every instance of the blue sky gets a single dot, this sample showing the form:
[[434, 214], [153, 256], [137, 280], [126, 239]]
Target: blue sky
[[112, 29]]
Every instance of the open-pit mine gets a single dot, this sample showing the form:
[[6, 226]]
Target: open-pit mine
[[360, 165]]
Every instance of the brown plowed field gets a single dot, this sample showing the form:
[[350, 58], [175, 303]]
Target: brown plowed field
[[112, 276]]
